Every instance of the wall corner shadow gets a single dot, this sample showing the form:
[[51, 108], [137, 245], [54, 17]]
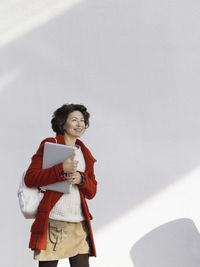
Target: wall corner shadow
[[173, 244]]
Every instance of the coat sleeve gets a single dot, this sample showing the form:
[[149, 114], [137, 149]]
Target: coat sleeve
[[36, 176], [89, 185]]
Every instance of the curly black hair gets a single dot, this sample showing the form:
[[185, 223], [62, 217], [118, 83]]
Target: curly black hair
[[61, 114]]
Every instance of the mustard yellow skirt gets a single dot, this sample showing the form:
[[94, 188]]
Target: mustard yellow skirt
[[64, 240]]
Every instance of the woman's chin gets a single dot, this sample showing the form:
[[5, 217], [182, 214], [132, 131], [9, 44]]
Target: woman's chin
[[77, 134]]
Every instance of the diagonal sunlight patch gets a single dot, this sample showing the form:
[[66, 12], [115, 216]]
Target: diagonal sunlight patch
[[18, 17], [178, 200]]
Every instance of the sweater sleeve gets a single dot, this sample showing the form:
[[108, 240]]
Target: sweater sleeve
[[36, 176], [89, 184]]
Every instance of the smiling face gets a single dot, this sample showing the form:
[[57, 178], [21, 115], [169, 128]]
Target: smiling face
[[75, 124]]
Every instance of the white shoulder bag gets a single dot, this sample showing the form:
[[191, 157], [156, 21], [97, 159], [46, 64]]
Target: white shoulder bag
[[29, 199]]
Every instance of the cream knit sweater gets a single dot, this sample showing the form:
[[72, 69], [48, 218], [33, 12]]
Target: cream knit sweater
[[68, 207]]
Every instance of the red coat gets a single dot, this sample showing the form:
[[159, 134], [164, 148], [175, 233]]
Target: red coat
[[36, 177]]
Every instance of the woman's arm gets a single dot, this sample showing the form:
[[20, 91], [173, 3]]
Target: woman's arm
[[89, 184], [36, 176]]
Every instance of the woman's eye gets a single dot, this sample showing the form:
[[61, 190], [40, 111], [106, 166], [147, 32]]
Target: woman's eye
[[76, 120]]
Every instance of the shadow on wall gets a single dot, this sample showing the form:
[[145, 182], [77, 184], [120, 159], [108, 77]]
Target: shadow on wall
[[100, 54], [135, 65], [174, 244]]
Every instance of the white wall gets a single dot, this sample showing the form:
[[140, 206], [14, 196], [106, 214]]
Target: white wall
[[135, 65]]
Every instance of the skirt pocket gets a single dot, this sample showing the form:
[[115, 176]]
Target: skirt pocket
[[55, 233]]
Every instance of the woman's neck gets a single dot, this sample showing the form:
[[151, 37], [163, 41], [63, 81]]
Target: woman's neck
[[69, 140]]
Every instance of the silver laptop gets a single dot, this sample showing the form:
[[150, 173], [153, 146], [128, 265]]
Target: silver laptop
[[54, 154]]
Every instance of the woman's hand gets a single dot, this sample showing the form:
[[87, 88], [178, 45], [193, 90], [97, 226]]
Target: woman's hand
[[74, 178], [70, 165]]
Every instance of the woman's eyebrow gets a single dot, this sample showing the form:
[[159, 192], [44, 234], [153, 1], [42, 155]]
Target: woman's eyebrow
[[76, 118]]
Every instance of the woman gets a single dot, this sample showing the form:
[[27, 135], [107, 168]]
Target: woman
[[62, 226]]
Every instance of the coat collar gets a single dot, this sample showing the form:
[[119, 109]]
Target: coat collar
[[89, 159]]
